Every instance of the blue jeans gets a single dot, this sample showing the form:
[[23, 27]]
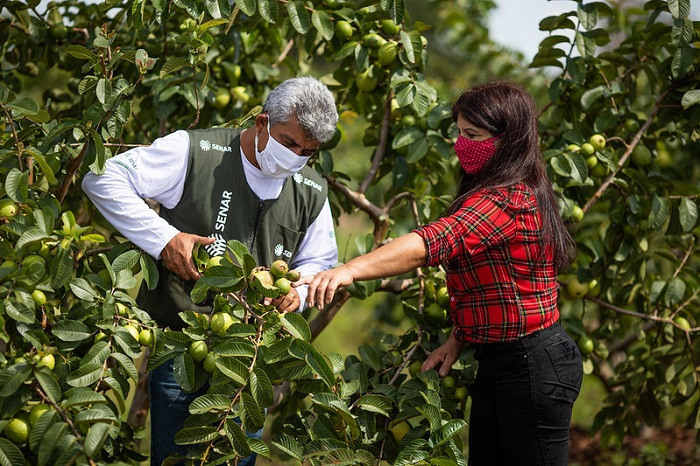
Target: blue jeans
[[522, 400], [169, 410]]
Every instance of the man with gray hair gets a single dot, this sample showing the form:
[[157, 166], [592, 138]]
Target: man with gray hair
[[215, 185]]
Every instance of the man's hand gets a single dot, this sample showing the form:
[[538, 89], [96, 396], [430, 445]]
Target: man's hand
[[177, 255], [287, 303]]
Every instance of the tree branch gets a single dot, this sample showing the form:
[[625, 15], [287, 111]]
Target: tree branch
[[381, 147], [321, 321], [357, 199], [635, 140], [70, 172]]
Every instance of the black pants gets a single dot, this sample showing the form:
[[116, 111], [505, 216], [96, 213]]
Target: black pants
[[522, 400]]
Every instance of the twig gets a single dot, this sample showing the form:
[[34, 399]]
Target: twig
[[407, 357], [685, 259], [389, 205], [59, 410], [663, 320], [635, 140], [381, 147], [70, 172], [284, 53], [357, 199], [14, 134], [196, 97]]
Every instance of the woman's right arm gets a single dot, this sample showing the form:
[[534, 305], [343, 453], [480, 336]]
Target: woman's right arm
[[401, 255]]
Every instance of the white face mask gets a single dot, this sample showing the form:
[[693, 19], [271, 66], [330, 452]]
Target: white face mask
[[277, 161]]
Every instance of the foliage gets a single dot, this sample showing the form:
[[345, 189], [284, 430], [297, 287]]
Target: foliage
[[123, 74]]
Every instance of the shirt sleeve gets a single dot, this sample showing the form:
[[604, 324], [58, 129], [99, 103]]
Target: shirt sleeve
[[157, 172], [480, 223], [318, 250]]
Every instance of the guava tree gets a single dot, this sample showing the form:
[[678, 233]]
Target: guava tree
[[122, 74]]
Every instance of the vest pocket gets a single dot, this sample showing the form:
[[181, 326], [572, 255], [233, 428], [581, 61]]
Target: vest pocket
[[285, 243]]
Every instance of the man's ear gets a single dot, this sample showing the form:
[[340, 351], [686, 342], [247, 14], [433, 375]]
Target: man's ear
[[261, 122]]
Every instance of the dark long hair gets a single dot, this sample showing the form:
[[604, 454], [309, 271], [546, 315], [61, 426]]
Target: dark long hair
[[507, 109]]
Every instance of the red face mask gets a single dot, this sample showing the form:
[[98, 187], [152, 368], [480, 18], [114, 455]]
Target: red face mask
[[473, 155]]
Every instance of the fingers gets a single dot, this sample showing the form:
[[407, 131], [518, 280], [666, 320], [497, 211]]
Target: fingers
[[433, 360], [447, 365], [305, 280], [287, 303], [205, 240]]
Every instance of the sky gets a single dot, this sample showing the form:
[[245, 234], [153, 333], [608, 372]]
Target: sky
[[515, 23]]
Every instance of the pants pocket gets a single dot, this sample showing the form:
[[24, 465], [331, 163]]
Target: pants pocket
[[567, 369]]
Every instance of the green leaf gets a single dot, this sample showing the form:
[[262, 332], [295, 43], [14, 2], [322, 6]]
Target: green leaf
[[19, 312], [45, 168], [78, 51], [10, 454], [95, 438], [375, 403], [194, 435], [238, 439], [690, 98], [587, 15], [370, 356], [12, 378], [589, 97], [247, 6], [85, 375], [97, 413], [682, 32], [268, 10], [209, 402], [48, 384], [289, 445], [407, 136], [233, 369], [296, 325], [172, 65], [432, 414], [149, 271], [679, 8], [237, 347], [82, 289], [61, 268], [254, 417], [40, 428], [126, 260], [660, 211], [675, 290], [396, 9], [687, 214], [183, 370], [83, 396], [218, 9], [261, 387], [127, 364], [447, 431], [104, 90], [71, 330], [322, 22], [258, 446], [682, 61], [24, 105], [17, 185], [298, 16], [585, 44], [49, 441]]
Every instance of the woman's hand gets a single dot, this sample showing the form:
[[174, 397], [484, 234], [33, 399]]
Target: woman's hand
[[445, 355], [323, 285]]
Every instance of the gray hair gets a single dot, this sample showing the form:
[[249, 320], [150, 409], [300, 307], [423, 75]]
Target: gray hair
[[310, 101]]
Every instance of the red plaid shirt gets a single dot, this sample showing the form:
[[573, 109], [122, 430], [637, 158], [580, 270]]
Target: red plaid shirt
[[499, 288]]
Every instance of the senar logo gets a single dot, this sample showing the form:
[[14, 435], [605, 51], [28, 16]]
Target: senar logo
[[205, 145]]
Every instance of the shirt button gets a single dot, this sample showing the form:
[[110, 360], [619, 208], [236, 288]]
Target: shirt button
[[452, 298]]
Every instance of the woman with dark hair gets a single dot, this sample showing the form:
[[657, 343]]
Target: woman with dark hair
[[502, 242]]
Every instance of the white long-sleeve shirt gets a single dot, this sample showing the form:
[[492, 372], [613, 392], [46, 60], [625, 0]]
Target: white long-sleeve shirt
[[158, 172]]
